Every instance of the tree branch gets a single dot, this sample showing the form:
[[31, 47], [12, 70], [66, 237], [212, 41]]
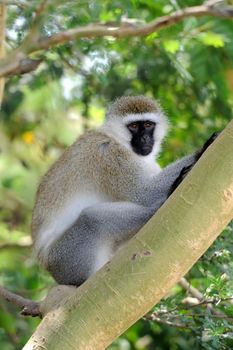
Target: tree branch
[[20, 4], [153, 317], [115, 30], [27, 306], [200, 298], [167, 317], [129, 29], [24, 65], [190, 289]]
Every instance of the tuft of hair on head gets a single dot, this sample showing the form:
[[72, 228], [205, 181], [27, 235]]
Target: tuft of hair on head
[[126, 105]]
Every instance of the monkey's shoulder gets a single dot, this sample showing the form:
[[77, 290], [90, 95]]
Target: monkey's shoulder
[[97, 144], [90, 153]]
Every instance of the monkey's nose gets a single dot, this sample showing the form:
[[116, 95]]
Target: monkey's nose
[[145, 138]]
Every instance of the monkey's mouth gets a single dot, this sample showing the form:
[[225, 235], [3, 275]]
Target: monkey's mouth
[[143, 150], [146, 150]]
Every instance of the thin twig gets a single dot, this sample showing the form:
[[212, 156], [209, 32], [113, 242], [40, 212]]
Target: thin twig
[[154, 317], [202, 300], [222, 317], [34, 32], [40, 9], [190, 289]]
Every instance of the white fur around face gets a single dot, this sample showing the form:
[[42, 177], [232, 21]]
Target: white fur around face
[[154, 117], [115, 127]]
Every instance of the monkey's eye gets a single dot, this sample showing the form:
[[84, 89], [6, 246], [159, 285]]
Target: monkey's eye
[[148, 124], [133, 126]]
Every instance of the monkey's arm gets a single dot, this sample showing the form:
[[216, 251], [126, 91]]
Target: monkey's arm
[[184, 172], [162, 183], [175, 173]]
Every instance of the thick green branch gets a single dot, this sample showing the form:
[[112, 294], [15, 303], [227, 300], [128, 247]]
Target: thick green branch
[[145, 269]]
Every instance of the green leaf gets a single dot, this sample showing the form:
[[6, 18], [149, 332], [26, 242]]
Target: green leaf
[[151, 37], [212, 39], [171, 46]]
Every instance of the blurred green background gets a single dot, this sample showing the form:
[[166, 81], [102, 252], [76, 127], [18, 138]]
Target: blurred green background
[[189, 68]]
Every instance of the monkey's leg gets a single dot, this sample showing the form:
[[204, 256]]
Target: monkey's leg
[[93, 239]]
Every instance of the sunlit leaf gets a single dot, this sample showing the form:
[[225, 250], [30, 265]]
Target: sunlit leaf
[[212, 39], [171, 46]]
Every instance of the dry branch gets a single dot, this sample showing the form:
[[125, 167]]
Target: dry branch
[[200, 298], [21, 4], [25, 65], [128, 29], [33, 43], [190, 289]]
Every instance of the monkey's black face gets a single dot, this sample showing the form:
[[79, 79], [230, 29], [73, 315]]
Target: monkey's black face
[[142, 140]]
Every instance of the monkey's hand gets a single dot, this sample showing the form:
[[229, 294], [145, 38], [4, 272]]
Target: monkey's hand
[[207, 144], [180, 178], [187, 169]]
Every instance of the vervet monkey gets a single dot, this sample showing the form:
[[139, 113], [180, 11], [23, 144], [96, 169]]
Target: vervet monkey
[[103, 189]]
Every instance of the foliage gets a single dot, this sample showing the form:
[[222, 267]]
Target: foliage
[[189, 68]]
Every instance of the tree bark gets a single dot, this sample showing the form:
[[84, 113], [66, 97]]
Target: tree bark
[[145, 269]]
